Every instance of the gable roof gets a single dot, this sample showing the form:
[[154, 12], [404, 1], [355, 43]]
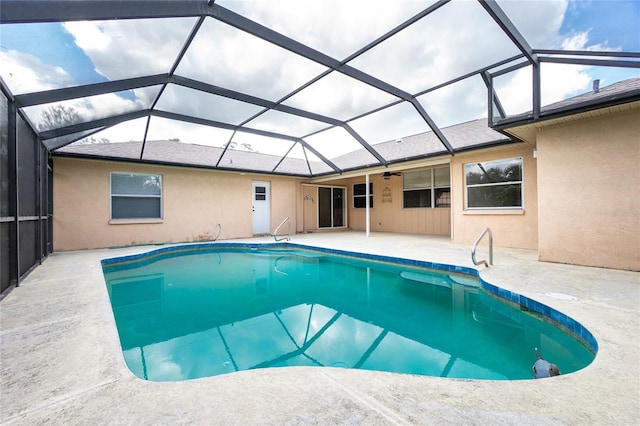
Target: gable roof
[[615, 94], [470, 135]]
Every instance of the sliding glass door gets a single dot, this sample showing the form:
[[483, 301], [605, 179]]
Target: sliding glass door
[[331, 207]]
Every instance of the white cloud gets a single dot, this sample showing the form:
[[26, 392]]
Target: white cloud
[[26, 73], [334, 27], [538, 21], [131, 48], [163, 129], [458, 38]]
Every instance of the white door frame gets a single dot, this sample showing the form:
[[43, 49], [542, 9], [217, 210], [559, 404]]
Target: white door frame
[[261, 207]]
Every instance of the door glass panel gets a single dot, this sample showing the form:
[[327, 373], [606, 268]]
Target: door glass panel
[[324, 207], [338, 207]]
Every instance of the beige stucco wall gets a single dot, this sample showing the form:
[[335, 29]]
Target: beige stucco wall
[[517, 228], [384, 216], [589, 191], [194, 202], [390, 216]]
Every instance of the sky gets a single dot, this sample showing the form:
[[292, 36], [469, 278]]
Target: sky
[[430, 52]]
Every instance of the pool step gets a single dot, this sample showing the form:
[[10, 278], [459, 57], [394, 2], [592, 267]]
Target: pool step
[[426, 278]]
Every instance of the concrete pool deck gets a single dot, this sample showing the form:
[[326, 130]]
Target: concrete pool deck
[[61, 361]]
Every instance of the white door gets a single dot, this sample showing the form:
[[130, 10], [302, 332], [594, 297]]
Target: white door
[[261, 208]]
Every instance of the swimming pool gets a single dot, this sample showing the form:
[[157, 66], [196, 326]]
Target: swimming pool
[[202, 310]]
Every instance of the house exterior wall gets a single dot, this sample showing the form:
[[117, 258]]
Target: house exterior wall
[[194, 202], [515, 228], [385, 216], [589, 191], [389, 215]]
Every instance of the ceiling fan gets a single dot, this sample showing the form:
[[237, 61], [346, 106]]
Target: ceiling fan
[[387, 175]]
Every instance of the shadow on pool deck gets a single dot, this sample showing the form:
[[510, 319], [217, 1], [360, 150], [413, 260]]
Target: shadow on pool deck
[[61, 361]]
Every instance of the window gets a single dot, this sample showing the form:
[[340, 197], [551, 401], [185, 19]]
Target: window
[[426, 188], [442, 187], [359, 195], [494, 184], [136, 196], [261, 193]]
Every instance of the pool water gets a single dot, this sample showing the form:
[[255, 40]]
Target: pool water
[[198, 312]]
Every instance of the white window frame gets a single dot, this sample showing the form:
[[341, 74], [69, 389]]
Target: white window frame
[[432, 188], [486, 185], [353, 188], [111, 195]]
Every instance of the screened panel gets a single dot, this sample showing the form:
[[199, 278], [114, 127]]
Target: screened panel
[[124, 48], [317, 166], [575, 78], [330, 20], [7, 255], [45, 56], [188, 133], [133, 130], [4, 157], [456, 103], [453, 29], [196, 103], [28, 245], [340, 97], [27, 169], [61, 114], [295, 162], [400, 120], [380, 54], [285, 124], [228, 57], [341, 148], [86, 137], [249, 142], [506, 86]]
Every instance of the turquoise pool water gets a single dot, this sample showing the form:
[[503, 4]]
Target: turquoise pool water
[[199, 311]]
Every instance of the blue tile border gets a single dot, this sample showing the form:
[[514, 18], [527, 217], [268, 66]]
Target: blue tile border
[[545, 312], [522, 302]]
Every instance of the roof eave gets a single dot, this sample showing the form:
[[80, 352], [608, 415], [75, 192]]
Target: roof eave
[[173, 164], [553, 113]]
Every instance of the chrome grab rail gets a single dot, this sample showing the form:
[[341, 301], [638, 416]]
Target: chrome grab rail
[[475, 246], [288, 236], [219, 232]]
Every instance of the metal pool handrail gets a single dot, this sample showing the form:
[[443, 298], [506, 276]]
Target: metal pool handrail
[[219, 232], [475, 246], [288, 236]]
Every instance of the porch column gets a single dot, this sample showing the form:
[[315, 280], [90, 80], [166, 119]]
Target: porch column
[[366, 204]]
